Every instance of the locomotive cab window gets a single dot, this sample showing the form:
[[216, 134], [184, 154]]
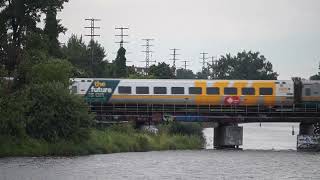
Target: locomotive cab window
[[230, 91], [142, 90], [195, 90], [177, 90], [213, 91], [160, 90], [124, 90], [266, 91], [248, 91]]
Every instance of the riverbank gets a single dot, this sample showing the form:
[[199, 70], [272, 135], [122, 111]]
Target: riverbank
[[111, 140]]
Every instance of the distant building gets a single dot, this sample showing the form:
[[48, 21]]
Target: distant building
[[140, 70]]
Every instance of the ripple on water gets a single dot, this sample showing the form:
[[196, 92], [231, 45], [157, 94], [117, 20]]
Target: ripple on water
[[206, 164]]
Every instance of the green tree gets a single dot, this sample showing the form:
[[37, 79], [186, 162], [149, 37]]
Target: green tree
[[75, 51], [100, 67], [245, 65], [161, 71], [185, 74], [120, 67], [19, 18], [52, 30], [204, 74], [79, 54], [316, 76]]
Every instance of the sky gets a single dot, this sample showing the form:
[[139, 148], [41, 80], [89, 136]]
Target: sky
[[286, 32]]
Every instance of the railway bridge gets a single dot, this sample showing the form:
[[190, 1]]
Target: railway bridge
[[225, 118]]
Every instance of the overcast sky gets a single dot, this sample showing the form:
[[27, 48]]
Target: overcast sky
[[287, 32]]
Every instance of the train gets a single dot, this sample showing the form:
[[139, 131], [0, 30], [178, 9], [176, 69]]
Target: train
[[197, 92]]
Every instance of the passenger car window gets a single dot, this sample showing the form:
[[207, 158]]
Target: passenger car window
[[266, 91], [230, 91], [308, 92], [213, 91], [177, 90], [248, 91], [195, 90], [142, 90], [160, 90], [124, 90]]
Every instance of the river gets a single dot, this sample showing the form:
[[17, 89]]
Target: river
[[269, 153]]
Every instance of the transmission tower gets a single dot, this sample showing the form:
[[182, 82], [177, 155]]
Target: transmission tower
[[122, 35], [214, 65], [148, 53], [204, 59], [174, 56], [92, 35], [185, 64]]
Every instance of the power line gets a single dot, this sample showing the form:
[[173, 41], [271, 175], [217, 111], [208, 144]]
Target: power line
[[92, 35], [203, 58], [147, 53], [174, 56], [122, 35]]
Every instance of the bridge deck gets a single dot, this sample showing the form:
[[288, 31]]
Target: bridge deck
[[222, 113]]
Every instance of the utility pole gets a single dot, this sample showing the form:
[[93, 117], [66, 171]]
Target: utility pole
[[122, 35], [92, 35], [174, 56], [214, 65], [203, 58], [185, 64], [148, 53]]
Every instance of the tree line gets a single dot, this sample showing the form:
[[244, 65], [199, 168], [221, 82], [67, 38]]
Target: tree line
[[35, 69]]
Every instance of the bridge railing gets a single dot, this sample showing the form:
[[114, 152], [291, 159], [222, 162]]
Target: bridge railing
[[104, 111]]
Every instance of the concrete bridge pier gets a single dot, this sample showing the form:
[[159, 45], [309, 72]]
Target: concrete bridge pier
[[228, 136], [308, 138]]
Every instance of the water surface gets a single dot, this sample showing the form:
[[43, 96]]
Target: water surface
[[269, 153]]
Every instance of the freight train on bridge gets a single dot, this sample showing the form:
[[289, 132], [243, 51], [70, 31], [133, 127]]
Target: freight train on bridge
[[224, 102]]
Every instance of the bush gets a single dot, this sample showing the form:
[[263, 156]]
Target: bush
[[52, 71], [185, 128], [12, 115], [54, 113]]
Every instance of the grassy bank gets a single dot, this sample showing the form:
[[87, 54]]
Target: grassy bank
[[111, 140]]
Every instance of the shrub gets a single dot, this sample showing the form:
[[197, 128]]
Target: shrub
[[52, 71], [185, 128], [12, 115], [54, 113]]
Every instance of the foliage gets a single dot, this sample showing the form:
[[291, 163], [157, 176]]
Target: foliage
[[185, 74], [316, 76], [161, 71], [54, 113], [52, 30], [100, 141], [120, 67], [245, 65], [203, 74], [12, 112], [76, 52], [79, 54], [184, 128], [52, 71], [19, 18]]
